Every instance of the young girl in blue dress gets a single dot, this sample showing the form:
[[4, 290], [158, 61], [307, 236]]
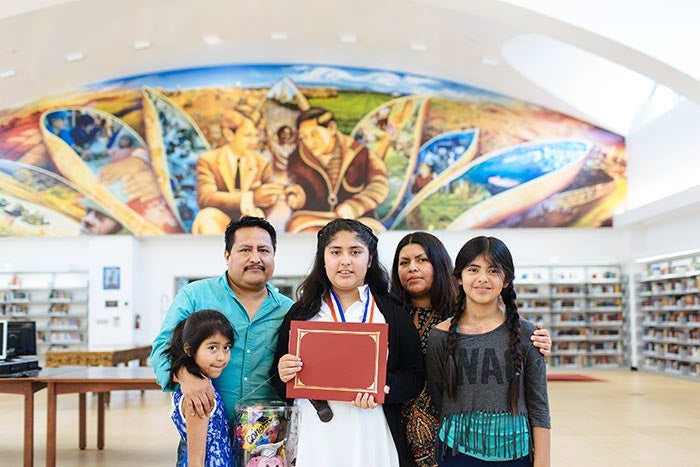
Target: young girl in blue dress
[[202, 345]]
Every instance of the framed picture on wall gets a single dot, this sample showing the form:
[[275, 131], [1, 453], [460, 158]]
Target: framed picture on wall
[[110, 277]]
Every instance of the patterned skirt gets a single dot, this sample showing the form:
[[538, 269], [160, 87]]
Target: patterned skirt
[[422, 424]]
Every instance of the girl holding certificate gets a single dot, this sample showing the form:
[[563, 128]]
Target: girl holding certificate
[[348, 284]]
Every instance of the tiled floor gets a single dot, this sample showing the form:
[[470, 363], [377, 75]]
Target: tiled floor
[[633, 419]]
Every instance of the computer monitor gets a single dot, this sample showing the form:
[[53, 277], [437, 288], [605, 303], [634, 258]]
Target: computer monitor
[[3, 340], [21, 339]]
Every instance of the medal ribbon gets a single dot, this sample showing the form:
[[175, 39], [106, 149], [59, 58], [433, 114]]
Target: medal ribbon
[[334, 303]]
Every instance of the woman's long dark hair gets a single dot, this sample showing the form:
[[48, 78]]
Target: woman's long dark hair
[[497, 253], [443, 293], [316, 285], [189, 335]]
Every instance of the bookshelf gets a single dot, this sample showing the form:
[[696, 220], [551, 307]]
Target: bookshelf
[[668, 299], [584, 309], [56, 301]]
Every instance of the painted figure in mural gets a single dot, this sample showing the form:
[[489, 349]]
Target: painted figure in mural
[[58, 125], [424, 176], [131, 167], [103, 139], [98, 221], [332, 175], [124, 148], [129, 164], [83, 134], [235, 179], [280, 147]]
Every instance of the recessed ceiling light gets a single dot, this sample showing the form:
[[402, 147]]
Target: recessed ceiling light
[[419, 47], [278, 36], [140, 45], [348, 39], [212, 39], [75, 56], [7, 74], [490, 61]]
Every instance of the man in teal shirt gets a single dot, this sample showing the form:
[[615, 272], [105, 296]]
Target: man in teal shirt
[[252, 305]]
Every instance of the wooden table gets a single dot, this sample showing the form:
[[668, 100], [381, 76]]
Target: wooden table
[[90, 379], [110, 357], [27, 386]]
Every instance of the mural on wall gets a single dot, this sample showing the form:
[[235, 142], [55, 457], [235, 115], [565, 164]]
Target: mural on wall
[[186, 151]]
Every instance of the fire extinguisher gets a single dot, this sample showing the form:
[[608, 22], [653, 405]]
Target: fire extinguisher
[[137, 321]]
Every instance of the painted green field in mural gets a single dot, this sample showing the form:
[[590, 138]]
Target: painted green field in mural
[[350, 106]]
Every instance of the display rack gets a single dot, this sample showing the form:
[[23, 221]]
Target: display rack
[[584, 309], [56, 301], [668, 298]]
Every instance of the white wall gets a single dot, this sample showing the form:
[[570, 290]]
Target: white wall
[[111, 311], [158, 260], [108, 326], [663, 155], [148, 281], [663, 194], [663, 184]]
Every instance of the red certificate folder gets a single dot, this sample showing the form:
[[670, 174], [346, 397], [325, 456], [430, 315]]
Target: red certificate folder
[[339, 360]]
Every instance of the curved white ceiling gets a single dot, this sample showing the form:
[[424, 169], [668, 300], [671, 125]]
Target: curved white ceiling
[[664, 30], [459, 40]]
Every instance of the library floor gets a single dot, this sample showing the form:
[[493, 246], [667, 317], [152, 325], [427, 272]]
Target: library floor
[[631, 419]]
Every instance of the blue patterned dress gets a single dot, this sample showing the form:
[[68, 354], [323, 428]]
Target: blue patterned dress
[[219, 449]]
